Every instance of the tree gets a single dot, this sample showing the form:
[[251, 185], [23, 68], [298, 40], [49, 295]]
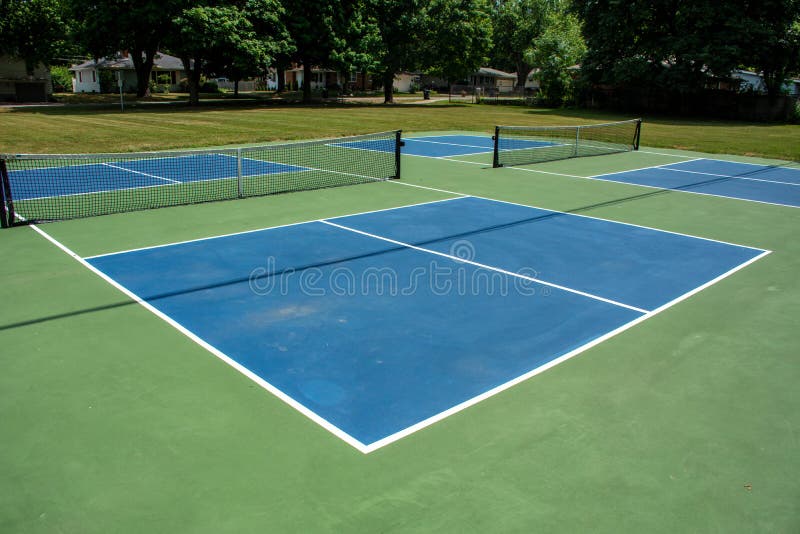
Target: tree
[[216, 36], [449, 38], [678, 45], [517, 24], [553, 54], [394, 31], [108, 26], [770, 42], [32, 30], [317, 28], [263, 24], [460, 37]]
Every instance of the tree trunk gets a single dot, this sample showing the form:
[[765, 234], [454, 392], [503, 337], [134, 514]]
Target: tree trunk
[[306, 82], [235, 88], [143, 67], [281, 77], [522, 73], [192, 79], [388, 89]]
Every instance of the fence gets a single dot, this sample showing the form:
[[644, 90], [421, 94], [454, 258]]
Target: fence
[[472, 94]]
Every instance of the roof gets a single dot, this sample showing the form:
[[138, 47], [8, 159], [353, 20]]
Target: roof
[[494, 73], [161, 62]]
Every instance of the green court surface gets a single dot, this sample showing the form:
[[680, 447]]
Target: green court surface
[[113, 421]]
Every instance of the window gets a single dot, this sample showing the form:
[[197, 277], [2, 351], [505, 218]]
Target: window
[[94, 76], [80, 76]]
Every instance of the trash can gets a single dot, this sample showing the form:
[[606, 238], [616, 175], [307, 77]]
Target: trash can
[[426, 94]]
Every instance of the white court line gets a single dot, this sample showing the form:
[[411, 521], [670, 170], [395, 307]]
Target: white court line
[[487, 267], [459, 195], [324, 423], [422, 140], [638, 169], [733, 177], [142, 173], [447, 158], [677, 190], [365, 449], [552, 363], [598, 177], [664, 154], [467, 195]]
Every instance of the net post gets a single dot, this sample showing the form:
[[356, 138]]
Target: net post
[[397, 144], [6, 202], [239, 172], [496, 155], [637, 134]]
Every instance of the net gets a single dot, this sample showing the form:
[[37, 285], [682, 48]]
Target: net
[[520, 145], [38, 187]]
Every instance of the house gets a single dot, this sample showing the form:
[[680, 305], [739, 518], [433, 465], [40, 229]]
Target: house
[[533, 79], [96, 76], [320, 77], [750, 81], [491, 80], [405, 81], [16, 85]]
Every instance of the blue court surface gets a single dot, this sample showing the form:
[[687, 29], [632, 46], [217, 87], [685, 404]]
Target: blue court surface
[[129, 174], [443, 146], [744, 181], [377, 324]]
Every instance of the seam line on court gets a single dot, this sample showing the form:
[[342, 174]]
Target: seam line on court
[[489, 267]]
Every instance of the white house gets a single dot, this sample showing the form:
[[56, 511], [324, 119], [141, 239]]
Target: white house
[[86, 76], [17, 85], [753, 81], [404, 80], [493, 79]]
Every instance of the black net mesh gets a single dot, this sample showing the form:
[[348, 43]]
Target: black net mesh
[[52, 187], [520, 145]]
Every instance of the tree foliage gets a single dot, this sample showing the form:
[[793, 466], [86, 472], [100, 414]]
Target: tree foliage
[[770, 40], [109, 26], [221, 36], [317, 29], [517, 24], [460, 37], [32, 30], [447, 38], [555, 54], [255, 36], [679, 44]]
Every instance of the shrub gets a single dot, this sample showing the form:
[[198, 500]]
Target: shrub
[[108, 81], [62, 79], [209, 87], [158, 88]]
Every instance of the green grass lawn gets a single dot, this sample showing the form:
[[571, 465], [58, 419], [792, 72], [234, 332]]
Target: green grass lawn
[[77, 130]]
